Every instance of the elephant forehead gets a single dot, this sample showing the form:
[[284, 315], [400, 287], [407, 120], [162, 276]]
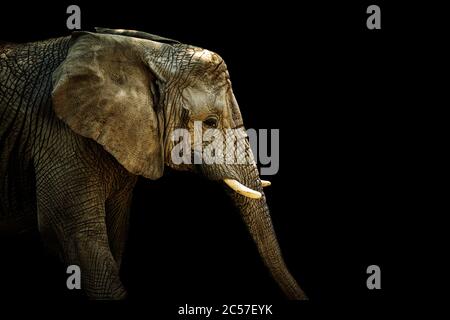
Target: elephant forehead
[[207, 57], [207, 65], [203, 99]]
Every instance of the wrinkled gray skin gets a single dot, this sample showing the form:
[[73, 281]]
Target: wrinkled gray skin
[[81, 117]]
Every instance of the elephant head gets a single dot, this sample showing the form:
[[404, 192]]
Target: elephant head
[[130, 90]]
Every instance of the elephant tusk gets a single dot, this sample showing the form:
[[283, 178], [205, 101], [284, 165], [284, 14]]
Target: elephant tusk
[[265, 183], [242, 190]]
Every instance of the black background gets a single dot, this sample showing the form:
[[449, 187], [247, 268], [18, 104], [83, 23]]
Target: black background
[[332, 87]]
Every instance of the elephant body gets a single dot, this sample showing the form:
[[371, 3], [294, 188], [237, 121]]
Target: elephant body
[[65, 184], [25, 101], [81, 118]]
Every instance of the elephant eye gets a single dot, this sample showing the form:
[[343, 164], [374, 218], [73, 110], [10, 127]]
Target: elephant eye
[[211, 122]]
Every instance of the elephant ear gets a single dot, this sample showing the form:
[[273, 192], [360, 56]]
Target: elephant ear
[[106, 90]]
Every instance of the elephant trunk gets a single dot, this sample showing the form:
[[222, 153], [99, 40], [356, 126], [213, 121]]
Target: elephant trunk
[[255, 214]]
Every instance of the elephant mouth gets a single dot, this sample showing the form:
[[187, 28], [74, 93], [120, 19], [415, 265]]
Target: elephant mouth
[[231, 177], [244, 190]]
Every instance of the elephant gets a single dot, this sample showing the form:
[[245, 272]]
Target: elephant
[[83, 116]]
